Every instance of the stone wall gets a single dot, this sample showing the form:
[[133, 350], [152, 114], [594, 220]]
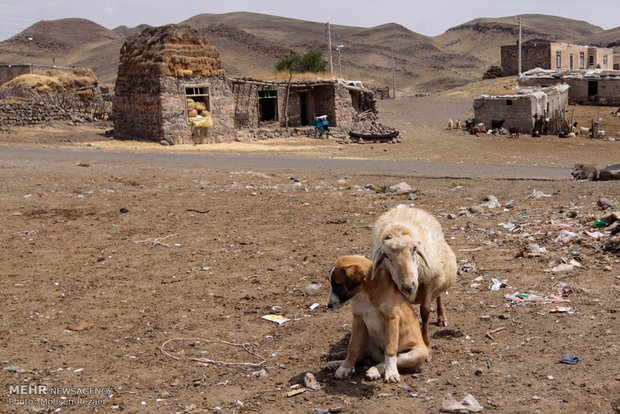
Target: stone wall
[[533, 55], [49, 109]]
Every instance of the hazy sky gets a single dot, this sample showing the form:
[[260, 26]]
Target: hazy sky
[[431, 17]]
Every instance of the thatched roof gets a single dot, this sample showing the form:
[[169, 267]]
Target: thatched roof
[[171, 50]]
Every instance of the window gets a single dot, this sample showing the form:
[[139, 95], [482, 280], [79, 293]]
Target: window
[[570, 61], [605, 60], [558, 59], [197, 100], [581, 60], [268, 103], [508, 101], [591, 61]]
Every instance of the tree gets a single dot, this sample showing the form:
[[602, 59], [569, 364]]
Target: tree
[[312, 61]]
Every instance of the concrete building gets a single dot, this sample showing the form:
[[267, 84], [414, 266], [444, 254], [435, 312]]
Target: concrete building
[[523, 108], [600, 87], [540, 53]]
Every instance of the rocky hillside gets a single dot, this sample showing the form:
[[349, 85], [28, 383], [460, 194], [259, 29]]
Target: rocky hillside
[[250, 44]]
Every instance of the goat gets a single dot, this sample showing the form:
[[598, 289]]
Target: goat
[[514, 132], [458, 124], [475, 130], [450, 124], [409, 245]]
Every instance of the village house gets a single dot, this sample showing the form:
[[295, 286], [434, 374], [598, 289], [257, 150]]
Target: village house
[[596, 86], [11, 71], [526, 108], [171, 87], [540, 53]]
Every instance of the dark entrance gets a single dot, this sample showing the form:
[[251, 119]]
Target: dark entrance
[[303, 109], [592, 90], [268, 103]]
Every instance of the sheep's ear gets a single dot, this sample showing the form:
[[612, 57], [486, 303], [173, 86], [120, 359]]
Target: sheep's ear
[[377, 260]]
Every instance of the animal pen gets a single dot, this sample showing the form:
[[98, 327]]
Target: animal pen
[[529, 109]]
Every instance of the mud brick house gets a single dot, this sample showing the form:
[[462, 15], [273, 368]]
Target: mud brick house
[[522, 107], [170, 85], [11, 71], [296, 103], [596, 86], [540, 53]]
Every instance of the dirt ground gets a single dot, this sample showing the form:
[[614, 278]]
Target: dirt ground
[[104, 261]]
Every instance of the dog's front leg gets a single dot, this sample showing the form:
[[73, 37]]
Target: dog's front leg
[[359, 335], [391, 350]]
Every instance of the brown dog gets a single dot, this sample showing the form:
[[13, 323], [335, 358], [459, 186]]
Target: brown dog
[[384, 322]]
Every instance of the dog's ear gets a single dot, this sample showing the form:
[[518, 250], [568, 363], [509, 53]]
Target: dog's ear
[[378, 258], [355, 276]]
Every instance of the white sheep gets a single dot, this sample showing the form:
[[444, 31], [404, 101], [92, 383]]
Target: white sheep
[[458, 124], [409, 244], [450, 124]]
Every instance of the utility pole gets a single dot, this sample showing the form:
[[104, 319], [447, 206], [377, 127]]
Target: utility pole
[[329, 51], [519, 20], [339, 69], [393, 75]]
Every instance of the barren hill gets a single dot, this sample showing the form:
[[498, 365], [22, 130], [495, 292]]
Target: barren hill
[[250, 44]]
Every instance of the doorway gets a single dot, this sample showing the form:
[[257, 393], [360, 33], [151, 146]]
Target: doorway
[[592, 90]]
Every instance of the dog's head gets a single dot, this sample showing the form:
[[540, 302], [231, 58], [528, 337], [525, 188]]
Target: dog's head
[[346, 278], [401, 256], [578, 171]]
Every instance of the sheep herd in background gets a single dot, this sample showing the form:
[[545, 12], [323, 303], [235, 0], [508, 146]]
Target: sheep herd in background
[[411, 264], [497, 128]]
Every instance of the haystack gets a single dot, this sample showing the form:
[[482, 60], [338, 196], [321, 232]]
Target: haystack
[[159, 70]]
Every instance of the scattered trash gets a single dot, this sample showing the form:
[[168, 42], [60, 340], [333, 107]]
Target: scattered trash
[[468, 404], [314, 306], [25, 233], [82, 326], [569, 359], [260, 374], [157, 240], [600, 223], [491, 202], [312, 289], [42, 194], [537, 195], [279, 319], [561, 309], [565, 236], [529, 299], [310, 382], [475, 249], [497, 284]]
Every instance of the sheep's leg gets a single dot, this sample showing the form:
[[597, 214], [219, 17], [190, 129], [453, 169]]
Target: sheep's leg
[[425, 311], [442, 319]]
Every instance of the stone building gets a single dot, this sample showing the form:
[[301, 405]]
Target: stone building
[[11, 71], [540, 53], [523, 107], [171, 87], [597, 86], [280, 104]]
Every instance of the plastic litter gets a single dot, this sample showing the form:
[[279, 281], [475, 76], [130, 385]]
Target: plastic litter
[[279, 319], [312, 289], [467, 404], [569, 359]]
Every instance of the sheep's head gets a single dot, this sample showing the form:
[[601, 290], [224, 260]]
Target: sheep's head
[[399, 255]]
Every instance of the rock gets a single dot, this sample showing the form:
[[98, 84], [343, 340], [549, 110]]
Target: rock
[[400, 188], [312, 289], [486, 318], [605, 203]]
